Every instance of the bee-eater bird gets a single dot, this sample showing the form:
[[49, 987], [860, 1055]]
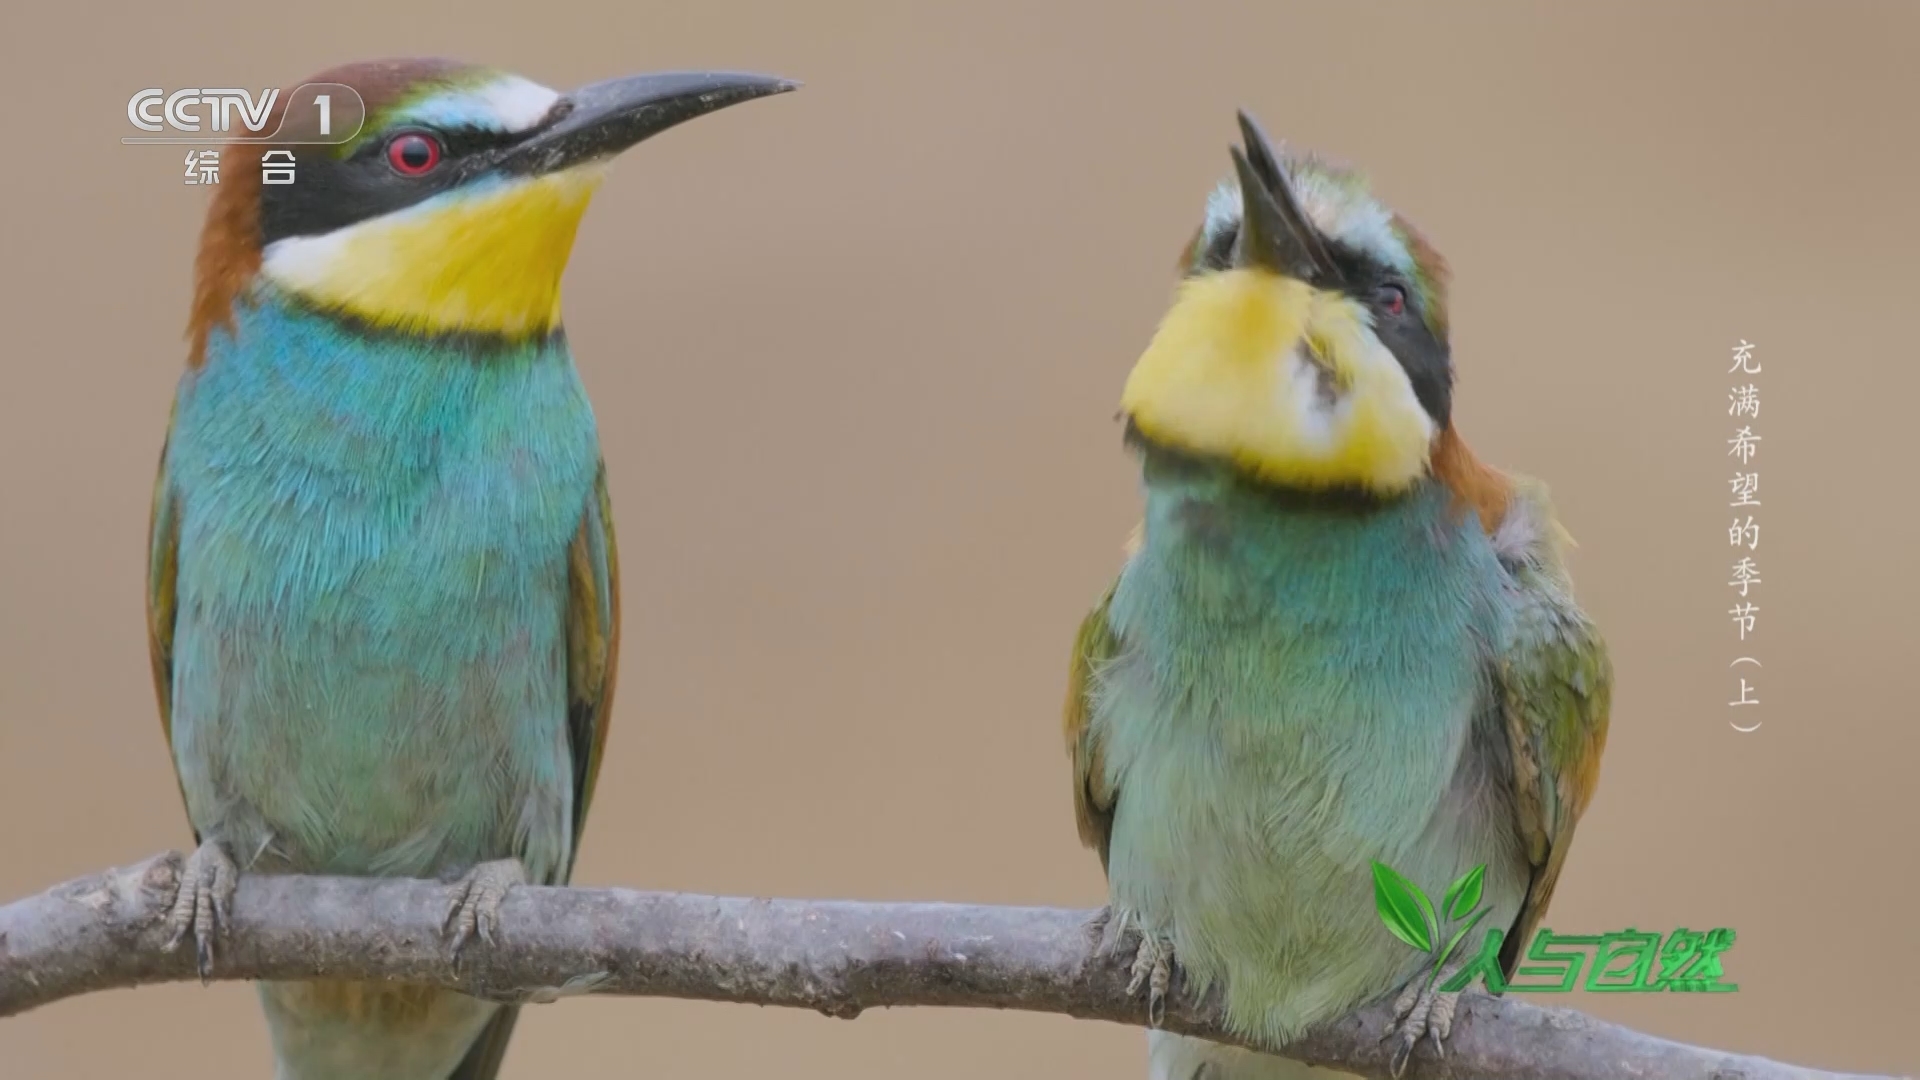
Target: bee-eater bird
[[1337, 638], [383, 597]]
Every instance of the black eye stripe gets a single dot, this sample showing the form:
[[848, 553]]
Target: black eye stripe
[[333, 193]]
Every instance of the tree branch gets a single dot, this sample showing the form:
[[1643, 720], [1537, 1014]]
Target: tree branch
[[837, 957]]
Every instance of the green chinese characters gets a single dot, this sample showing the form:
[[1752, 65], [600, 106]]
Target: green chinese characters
[[1624, 962]]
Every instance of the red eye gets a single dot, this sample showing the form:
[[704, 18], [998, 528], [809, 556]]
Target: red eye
[[413, 154], [1392, 299]]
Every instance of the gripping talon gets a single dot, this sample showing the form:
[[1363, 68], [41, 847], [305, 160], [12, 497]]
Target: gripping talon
[[474, 908], [201, 903], [1402, 1008], [1420, 1012], [1152, 968], [1137, 975]]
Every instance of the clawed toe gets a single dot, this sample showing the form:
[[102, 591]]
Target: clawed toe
[[202, 902], [1420, 1011], [474, 908], [1153, 968]]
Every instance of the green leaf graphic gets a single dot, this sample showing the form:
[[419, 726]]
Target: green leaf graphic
[[1464, 895], [1454, 943], [1403, 907]]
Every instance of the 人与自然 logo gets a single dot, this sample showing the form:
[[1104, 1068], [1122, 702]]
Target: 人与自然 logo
[[1626, 961]]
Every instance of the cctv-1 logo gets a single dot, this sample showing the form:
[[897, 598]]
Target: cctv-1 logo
[[324, 113]]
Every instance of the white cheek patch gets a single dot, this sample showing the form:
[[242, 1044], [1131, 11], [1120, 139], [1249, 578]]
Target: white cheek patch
[[1303, 387], [1320, 412], [300, 261], [509, 103]]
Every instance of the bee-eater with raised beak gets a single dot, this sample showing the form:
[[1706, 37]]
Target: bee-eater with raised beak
[[383, 596], [1338, 637]]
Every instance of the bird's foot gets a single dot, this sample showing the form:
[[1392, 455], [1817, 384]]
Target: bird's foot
[[475, 907], [1153, 968], [1421, 1011], [201, 901]]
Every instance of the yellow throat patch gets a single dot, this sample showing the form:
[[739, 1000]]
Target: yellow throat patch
[[1286, 381], [488, 260]]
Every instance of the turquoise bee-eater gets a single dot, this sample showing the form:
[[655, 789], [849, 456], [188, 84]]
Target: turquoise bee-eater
[[383, 596], [1337, 638]]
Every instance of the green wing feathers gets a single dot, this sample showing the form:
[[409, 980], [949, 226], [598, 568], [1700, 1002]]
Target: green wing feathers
[[1093, 647], [163, 564], [593, 645], [163, 568], [1556, 682]]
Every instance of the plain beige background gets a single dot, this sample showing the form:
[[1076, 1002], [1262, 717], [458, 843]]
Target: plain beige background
[[856, 352]]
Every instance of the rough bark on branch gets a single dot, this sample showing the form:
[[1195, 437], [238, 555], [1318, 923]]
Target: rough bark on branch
[[837, 957]]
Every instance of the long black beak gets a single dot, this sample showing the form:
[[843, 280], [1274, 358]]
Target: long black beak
[[604, 118], [1274, 233]]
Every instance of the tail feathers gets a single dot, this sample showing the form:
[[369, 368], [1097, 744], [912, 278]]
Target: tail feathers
[[1177, 1057], [483, 1060]]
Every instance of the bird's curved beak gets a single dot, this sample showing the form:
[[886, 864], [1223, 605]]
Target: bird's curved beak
[[1274, 233], [602, 119]]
